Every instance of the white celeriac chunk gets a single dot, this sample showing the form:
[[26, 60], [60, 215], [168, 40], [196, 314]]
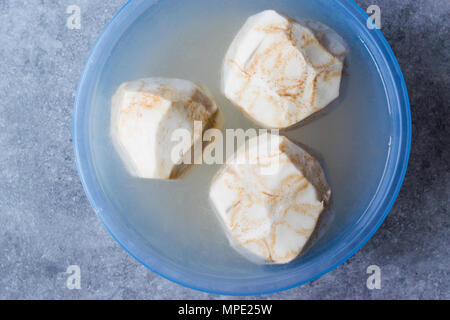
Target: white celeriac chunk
[[144, 115], [269, 198], [279, 71]]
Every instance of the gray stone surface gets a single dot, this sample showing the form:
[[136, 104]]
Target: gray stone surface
[[46, 222]]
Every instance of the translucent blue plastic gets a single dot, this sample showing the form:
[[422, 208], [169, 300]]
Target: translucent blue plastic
[[363, 140]]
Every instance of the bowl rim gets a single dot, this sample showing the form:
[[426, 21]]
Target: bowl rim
[[357, 238]]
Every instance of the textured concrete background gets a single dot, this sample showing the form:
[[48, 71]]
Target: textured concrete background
[[47, 224]]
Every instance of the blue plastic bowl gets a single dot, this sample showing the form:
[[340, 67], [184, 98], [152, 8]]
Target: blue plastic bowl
[[363, 140]]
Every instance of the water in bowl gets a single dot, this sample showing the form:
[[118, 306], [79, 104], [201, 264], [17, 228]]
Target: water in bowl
[[188, 39]]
